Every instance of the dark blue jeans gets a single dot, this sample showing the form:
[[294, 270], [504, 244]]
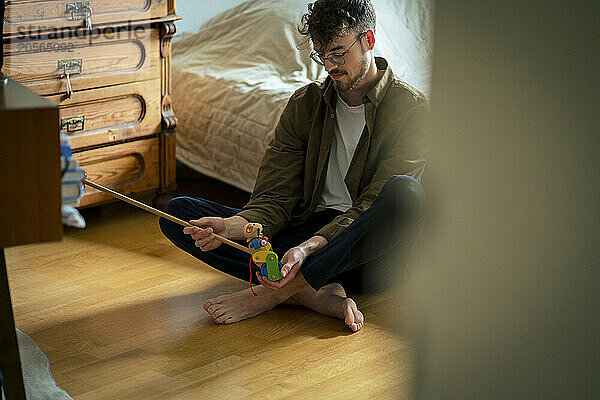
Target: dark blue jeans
[[362, 257]]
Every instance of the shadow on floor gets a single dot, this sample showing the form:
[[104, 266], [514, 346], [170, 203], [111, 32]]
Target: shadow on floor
[[192, 183]]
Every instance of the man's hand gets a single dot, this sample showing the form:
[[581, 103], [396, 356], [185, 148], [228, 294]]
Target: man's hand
[[204, 232], [292, 261], [205, 229]]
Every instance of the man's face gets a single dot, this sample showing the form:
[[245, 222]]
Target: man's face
[[348, 76]]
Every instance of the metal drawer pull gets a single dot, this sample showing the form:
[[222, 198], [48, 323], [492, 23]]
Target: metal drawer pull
[[81, 7], [72, 124], [65, 66]]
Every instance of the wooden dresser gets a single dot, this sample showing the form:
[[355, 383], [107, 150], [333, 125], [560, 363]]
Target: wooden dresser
[[107, 65]]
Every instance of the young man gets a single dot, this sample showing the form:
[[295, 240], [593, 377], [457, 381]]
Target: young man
[[337, 190]]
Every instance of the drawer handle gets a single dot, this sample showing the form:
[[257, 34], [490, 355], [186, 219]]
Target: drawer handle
[[66, 65], [80, 7], [72, 124]]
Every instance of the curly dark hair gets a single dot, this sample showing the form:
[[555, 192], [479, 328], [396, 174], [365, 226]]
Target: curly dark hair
[[327, 20]]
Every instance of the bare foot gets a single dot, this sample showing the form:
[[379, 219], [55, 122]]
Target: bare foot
[[331, 300], [353, 318], [230, 308]]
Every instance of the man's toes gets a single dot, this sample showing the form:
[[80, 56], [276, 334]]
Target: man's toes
[[210, 303], [358, 316], [207, 305], [214, 308], [225, 319], [219, 317], [356, 326], [353, 317]]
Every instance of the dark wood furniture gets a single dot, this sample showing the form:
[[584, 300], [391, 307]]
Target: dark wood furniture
[[107, 64], [30, 199]]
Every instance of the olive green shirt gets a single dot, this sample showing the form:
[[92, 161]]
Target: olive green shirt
[[292, 173]]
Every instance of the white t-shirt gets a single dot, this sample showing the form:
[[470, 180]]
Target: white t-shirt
[[349, 127]]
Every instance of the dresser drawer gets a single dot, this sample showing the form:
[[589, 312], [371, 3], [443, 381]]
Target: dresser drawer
[[90, 61], [110, 114], [131, 167], [26, 16]]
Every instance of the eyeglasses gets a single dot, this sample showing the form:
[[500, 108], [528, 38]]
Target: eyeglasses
[[336, 58]]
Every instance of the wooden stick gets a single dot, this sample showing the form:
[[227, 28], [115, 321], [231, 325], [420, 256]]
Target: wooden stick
[[160, 213]]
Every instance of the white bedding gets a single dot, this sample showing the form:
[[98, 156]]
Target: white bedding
[[232, 78]]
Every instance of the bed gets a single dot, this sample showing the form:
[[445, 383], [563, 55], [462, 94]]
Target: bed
[[232, 78]]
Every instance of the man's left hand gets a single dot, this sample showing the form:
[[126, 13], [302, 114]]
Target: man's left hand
[[292, 261]]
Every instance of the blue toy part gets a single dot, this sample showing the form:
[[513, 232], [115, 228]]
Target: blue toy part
[[254, 243]]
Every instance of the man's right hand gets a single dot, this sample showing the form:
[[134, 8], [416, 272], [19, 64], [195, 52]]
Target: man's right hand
[[206, 227], [204, 232]]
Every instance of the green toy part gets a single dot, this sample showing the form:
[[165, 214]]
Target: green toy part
[[273, 267]]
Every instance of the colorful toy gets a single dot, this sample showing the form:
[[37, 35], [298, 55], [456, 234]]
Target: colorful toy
[[262, 254]]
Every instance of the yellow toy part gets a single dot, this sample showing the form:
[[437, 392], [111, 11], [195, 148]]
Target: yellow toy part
[[252, 230], [260, 257]]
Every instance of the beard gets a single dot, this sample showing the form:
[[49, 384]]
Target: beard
[[354, 81]]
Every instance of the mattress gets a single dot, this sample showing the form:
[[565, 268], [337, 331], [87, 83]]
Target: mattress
[[231, 79]]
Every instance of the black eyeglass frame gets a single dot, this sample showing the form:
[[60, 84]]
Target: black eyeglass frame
[[316, 58]]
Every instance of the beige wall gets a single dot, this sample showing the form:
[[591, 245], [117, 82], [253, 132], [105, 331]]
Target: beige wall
[[505, 303]]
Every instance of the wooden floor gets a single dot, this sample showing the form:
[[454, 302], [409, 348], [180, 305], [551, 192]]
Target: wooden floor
[[118, 311]]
